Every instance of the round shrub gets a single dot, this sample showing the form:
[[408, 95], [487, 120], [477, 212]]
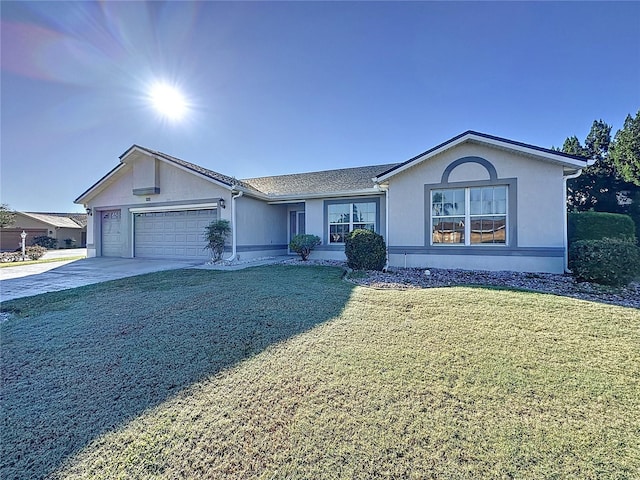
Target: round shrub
[[303, 244], [608, 261], [35, 252], [365, 250]]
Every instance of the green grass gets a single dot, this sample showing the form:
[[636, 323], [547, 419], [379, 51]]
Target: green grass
[[35, 262], [289, 372]]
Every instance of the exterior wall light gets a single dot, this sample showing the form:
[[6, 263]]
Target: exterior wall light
[[89, 211], [222, 203]]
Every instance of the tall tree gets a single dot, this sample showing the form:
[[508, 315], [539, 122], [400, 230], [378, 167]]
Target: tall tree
[[7, 216], [625, 151], [600, 185]]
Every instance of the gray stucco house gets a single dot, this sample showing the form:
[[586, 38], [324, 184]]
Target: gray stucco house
[[475, 201]]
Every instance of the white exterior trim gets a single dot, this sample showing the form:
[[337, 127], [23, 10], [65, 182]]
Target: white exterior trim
[[175, 208]]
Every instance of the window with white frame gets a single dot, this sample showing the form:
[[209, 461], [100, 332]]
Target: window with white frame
[[346, 217], [469, 216]]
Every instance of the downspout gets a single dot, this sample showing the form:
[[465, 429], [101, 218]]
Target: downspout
[[566, 219], [385, 189], [233, 227]]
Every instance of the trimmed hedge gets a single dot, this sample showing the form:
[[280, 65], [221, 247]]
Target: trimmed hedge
[[608, 261], [365, 250], [600, 225]]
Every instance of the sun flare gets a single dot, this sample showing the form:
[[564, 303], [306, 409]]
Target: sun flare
[[168, 101]]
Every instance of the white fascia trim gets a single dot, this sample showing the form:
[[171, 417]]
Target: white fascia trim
[[98, 186], [311, 196], [487, 141], [528, 151], [175, 208]]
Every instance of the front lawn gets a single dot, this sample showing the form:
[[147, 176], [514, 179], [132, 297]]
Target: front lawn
[[290, 372]]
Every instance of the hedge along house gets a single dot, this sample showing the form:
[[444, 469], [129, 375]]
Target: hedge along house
[[474, 202]]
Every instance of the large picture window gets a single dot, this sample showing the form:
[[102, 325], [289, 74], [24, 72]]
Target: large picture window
[[469, 216], [346, 217]]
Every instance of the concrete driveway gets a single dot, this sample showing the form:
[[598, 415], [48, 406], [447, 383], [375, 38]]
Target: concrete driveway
[[24, 281]]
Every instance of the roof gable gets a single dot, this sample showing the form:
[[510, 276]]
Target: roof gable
[[571, 163]]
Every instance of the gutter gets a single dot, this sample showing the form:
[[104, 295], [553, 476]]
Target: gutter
[[234, 242]]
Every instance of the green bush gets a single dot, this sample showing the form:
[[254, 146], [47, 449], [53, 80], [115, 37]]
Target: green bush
[[303, 244], [365, 250], [216, 234], [44, 241], [608, 261], [35, 252], [600, 225]]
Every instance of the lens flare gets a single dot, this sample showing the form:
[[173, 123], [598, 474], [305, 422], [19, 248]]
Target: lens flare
[[168, 101]]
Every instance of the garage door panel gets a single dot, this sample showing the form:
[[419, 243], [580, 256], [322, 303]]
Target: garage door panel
[[178, 234], [111, 233]]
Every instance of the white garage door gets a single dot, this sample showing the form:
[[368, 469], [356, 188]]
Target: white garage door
[[111, 233], [176, 235]]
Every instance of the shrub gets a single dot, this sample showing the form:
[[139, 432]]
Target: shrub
[[216, 234], [608, 261], [365, 250], [600, 225], [69, 242], [44, 241], [35, 252], [303, 244], [7, 257]]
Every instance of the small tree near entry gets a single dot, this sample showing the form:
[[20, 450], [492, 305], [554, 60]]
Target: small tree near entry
[[216, 234], [303, 244]]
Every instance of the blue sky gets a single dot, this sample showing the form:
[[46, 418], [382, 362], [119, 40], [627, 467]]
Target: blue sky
[[284, 87]]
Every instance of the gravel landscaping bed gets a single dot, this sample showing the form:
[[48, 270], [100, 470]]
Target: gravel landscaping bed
[[557, 284]]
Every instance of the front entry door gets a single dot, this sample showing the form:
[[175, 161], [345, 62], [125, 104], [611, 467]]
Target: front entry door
[[296, 224]]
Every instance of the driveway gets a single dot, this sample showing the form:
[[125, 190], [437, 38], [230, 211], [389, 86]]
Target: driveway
[[24, 281]]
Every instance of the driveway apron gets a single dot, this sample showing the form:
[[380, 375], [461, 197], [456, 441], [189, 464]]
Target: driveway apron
[[17, 282]]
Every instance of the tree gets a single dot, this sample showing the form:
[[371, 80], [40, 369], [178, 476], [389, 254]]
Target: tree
[[600, 185], [216, 234], [625, 151], [7, 216]]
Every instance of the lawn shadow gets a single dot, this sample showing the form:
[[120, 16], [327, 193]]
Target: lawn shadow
[[79, 363]]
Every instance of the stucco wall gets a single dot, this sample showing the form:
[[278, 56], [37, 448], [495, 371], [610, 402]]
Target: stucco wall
[[539, 219], [177, 187], [261, 228]]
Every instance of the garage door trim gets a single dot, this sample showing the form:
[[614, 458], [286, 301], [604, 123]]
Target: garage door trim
[[175, 208]]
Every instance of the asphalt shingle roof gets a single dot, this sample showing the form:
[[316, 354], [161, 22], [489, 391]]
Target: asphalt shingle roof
[[62, 220], [327, 181]]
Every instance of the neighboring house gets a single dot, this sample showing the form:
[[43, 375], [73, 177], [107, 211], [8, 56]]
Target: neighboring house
[[60, 226], [474, 202]]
